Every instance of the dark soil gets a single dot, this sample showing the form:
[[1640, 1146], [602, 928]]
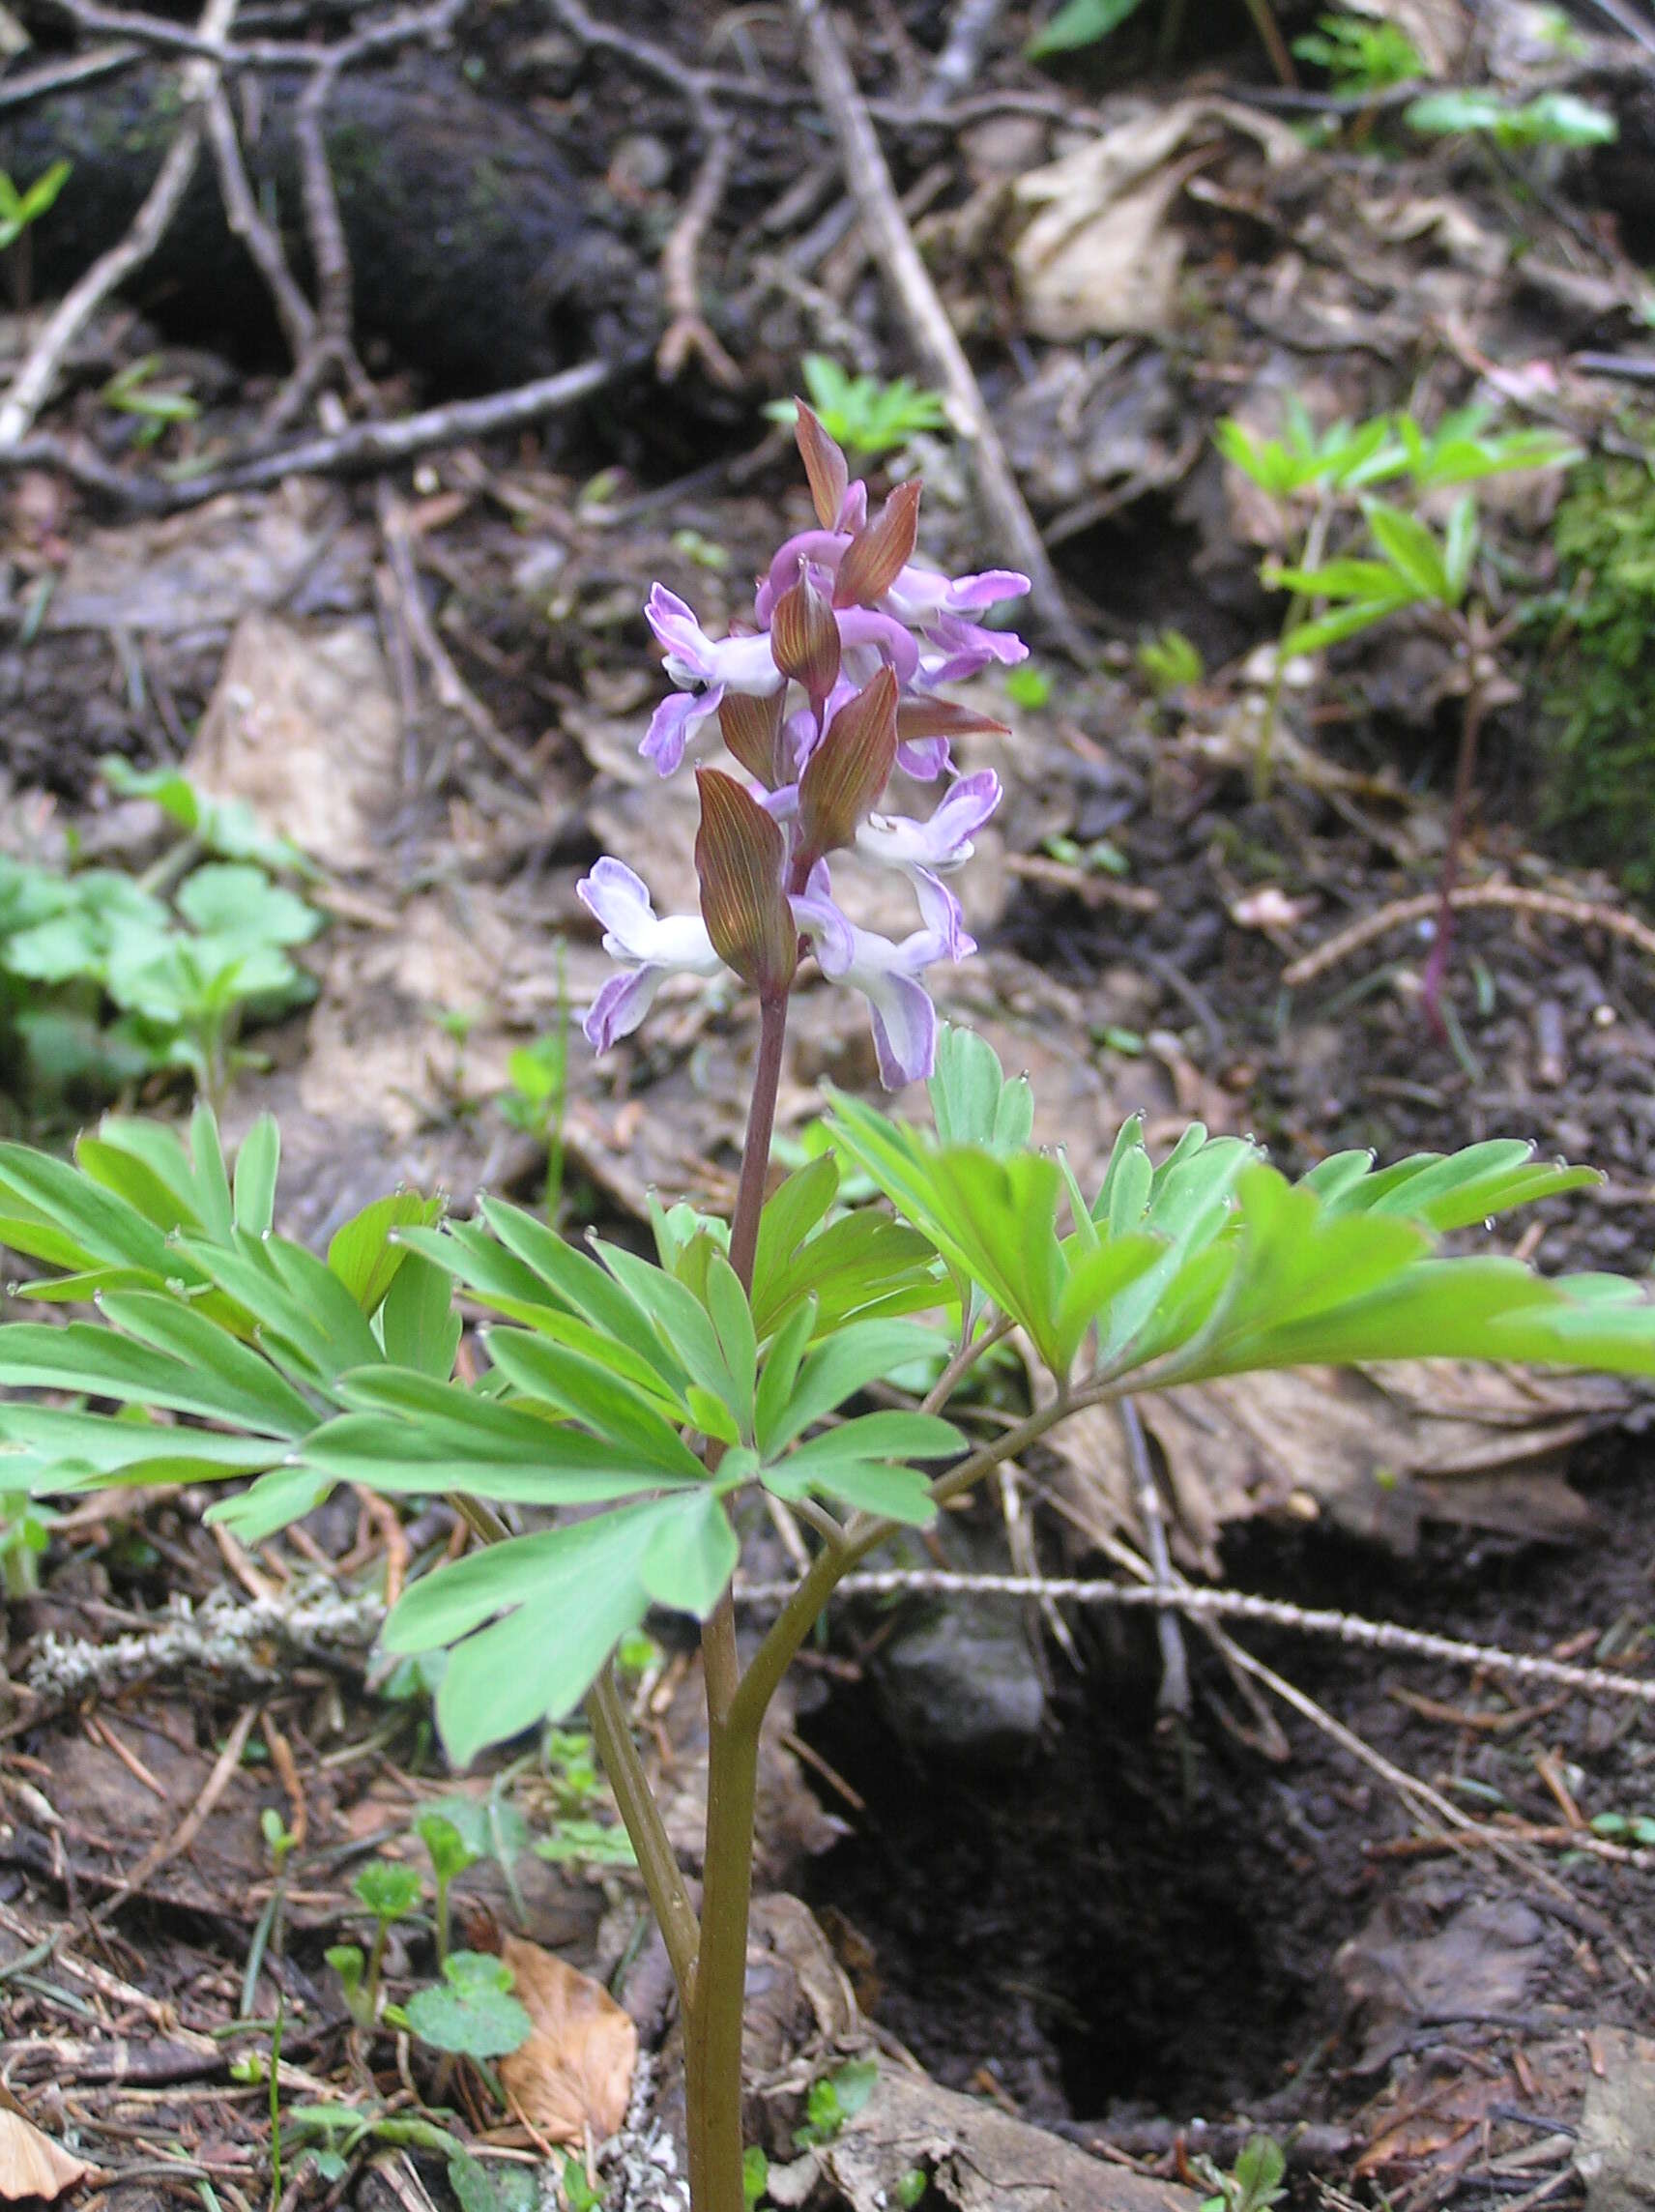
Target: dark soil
[[1142, 1918]]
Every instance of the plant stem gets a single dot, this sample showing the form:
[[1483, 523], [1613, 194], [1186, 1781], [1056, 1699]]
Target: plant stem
[[760, 1126], [657, 1862], [716, 2008], [1310, 557], [1471, 726]]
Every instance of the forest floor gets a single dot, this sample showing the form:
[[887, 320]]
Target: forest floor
[[1399, 1914]]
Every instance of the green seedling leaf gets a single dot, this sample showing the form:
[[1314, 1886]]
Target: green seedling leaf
[[389, 1892], [471, 2011], [447, 1848], [480, 2188]]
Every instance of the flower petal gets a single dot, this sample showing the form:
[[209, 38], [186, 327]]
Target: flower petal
[[674, 722]]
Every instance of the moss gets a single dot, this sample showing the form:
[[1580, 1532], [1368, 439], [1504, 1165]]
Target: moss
[[1598, 685]]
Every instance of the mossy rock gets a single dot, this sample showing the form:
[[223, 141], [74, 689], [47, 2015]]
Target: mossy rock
[[1597, 675]]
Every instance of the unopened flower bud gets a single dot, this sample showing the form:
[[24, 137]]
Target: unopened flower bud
[[844, 776], [824, 465], [804, 640], [878, 555], [739, 853]]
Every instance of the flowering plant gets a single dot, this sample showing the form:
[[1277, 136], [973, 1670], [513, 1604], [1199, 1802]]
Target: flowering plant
[[640, 1409]]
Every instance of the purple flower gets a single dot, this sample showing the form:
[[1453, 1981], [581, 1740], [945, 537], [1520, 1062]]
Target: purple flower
[[924, 851], [703, 669], [887, 973], [652, 948]]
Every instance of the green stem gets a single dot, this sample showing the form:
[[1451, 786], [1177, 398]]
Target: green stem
[[1310, 557], [657, 1862], [715, 2011]]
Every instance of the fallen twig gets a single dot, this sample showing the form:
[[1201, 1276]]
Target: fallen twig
[[891, 244], [1551, 905], [357, 449], [32, 385], [1205, 1604]]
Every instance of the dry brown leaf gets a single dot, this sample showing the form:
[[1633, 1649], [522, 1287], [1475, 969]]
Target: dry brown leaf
[[32, 2165], [575, 2071]]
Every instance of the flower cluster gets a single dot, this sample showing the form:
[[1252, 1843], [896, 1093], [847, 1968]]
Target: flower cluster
[[834, 686]]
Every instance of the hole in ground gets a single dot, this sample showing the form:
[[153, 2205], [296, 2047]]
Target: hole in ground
[[1132, 1916]]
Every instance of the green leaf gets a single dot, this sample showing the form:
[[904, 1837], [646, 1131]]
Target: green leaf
[[410, 1433], [1343, 623], [491, 1611], [253, 1394], [1412, 550], [593, 1392], [473, 2013], [574, 1281], [972, 1101], [793, 1210], [84, 1356], [1079, 23], [781, 1368], [306, 1314], [367, 1252], [419, 1328], [691, 1554], [863, 1352], [80, 1219], [738, 1343], [256, 1166]]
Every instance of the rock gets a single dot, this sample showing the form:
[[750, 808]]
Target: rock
[[960, 1679], [1616, 2154]]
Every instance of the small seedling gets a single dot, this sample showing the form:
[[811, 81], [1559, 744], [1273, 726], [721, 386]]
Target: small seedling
[[451, 1855], [223, 829], [1254, 2185], [755, 2176], [580, 2193], [280, 1843], [1637, 1828], [1406, 564], [866, 415], [471, 2013], [539, 1077], [25, 1531], [20, 212], [1363, 55], [157, 407], [835, 2099], [349, 1962], [330, 2135], [391, 1893], [1170, 663]]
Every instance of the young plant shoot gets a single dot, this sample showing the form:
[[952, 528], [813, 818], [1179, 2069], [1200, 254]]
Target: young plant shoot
[[663, 1398]]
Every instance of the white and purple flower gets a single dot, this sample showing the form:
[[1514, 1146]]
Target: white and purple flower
[[853, 638], [650, 946]]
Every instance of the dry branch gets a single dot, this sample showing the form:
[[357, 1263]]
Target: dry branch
[[942, 355]]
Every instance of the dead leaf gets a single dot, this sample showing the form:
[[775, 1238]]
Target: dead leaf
[[32, 2165], [575, 2071], [1101, 255], [1373, 1450]]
